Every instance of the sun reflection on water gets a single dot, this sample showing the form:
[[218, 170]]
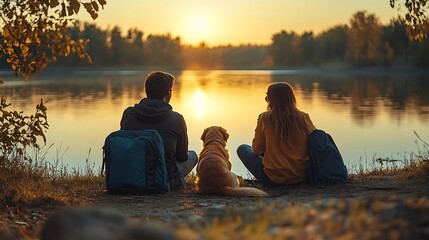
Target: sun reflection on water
[[199, 100]]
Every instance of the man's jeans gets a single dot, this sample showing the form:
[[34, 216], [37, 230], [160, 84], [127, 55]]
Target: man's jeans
[[184, 168]]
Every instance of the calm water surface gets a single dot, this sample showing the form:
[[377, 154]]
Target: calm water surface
[[369, 117]]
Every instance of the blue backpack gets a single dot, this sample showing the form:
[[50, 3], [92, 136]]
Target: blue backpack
[[135, 162], [325, 163]]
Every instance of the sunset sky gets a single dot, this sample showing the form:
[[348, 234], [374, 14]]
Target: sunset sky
[[233, 21]]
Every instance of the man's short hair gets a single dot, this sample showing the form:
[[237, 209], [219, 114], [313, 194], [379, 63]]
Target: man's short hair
[[158, 84]]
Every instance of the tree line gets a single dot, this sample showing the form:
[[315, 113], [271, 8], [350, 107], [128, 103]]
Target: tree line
[[363, 42]]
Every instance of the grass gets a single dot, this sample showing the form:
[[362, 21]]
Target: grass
[[414, 164], [359, 218], [26, 184], [30, 190]]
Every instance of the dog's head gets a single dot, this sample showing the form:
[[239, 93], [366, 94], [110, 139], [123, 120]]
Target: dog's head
[[214, 132]]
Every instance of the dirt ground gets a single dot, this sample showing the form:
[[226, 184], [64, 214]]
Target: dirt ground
[[176, 209], [188, 205]]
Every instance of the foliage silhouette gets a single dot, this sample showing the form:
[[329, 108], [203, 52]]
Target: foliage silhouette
[[35, 33], [18, 131]]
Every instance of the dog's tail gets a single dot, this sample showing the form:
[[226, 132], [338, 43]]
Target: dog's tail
[[242, 191]]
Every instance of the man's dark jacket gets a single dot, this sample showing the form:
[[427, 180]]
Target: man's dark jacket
[[156, 114]]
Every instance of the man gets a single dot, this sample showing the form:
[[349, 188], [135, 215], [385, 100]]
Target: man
[[155, 112]]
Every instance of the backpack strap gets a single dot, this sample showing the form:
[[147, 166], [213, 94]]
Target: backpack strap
[[104, 161]]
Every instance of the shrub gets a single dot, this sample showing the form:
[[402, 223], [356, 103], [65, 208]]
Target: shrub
[[19, 132]]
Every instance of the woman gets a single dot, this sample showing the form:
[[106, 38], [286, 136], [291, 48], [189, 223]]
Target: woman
[[278, 154]]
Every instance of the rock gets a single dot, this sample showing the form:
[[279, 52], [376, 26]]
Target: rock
[[87, 223], [194, 219], [216, 210]]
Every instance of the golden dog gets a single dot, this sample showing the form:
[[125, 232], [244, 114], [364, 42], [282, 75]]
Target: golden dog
[[214, 174]]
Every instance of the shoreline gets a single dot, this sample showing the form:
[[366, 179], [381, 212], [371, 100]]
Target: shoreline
[[316, 71]]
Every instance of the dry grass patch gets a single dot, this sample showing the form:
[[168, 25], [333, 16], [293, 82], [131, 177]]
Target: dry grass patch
[[24, 184], [360, 218]]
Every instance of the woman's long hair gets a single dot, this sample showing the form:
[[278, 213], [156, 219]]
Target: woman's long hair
[[288, 121]]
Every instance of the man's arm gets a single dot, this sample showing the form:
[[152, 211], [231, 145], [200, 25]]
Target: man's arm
[[182, 143]]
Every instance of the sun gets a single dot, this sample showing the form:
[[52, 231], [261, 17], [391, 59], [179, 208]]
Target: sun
[[198, 24], [198, 28]]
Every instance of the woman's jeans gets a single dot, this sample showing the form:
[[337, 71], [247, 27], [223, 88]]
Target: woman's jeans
[[253, 163]]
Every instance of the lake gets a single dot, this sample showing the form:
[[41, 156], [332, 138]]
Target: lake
[[369, 116]]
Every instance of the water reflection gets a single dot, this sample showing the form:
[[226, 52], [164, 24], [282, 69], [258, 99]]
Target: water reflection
[[367, 115], [367, 96], [199, 99]]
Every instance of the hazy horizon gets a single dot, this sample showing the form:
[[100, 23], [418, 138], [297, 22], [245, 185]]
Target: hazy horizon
[[233, 22]]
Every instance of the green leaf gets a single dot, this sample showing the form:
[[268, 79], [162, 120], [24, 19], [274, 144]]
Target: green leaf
[[54, 3], [102, 3], [95, 6], [408, 17], [24, 49], [94, 15], [88, 7], [6, 33], [63, 10], [74, 4], [70, 10]]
